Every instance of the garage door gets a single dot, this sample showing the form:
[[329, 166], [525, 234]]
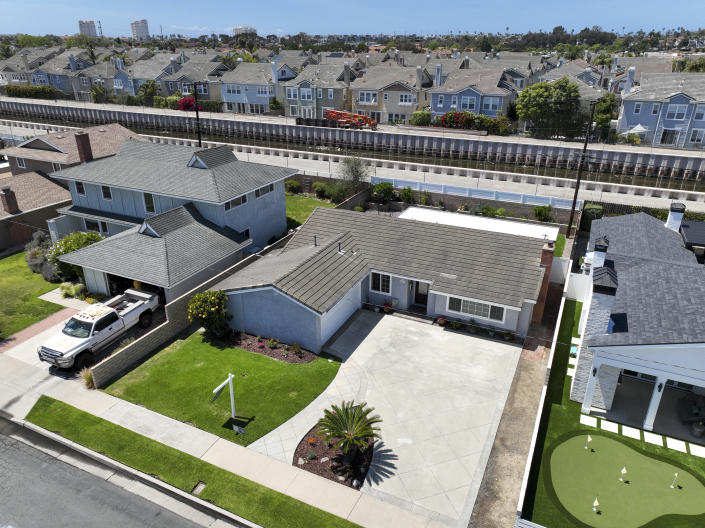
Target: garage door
[[341, 312]]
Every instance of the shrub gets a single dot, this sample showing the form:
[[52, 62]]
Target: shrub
[[172, 102], [543, 213], [34, 92], [359, 209], [455, 325], [407, 195], [490, 211], [470, 121], [383, 192], [590, 212], [159, 102], [355, 174], [66, 245], [65, 289], [49, 272], [209, 105], [87, 377], [272, 343], [187, 103], [320, 189], [420, 119], [208, 309], [349, 426], [337, 192], [426, 198], [36, 250], [292, 186]]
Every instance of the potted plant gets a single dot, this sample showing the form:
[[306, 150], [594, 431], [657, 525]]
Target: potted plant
[[441, 321], [698, 429], [490, 332], [472, 327], [387, 308]]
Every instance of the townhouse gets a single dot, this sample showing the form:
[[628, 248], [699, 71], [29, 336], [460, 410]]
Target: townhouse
[[206, 73], [249, 88], [481, 91], [17, 69], [318, 88]]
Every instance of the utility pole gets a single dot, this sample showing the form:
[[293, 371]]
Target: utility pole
[[196, 84], [581, 162]]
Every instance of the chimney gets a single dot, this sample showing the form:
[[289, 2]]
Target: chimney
[[439, 75], [614, 63], [183, 57], [275, 75], [466, 62], [604, 294], [396, 55], [492, 53], [173, 65], [560, 62], [419, 77], [367, 61], [428, 57], [630, 80], [83, 143], [9, 200], [72, 63], [600, 253], [586, 55], [675, 216], [25, 64], [346, 74]]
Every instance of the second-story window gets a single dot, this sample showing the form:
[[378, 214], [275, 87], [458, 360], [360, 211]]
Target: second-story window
[[20, 163], [368, 98], [203, 89], [235, 202], [232, 89], [149, 202], [655, 108], [637, 108], [440, 100], [107, 194], [319, 93], [330, 93], [80, 189], [292, 93], [117, 84], [407, 98], [699, 113], [263, 90], [676, 111], [264, 190], [306, 94]]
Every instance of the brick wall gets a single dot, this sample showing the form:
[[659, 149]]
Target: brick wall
[[176, 322]]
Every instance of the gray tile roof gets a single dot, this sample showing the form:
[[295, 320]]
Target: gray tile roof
[[471, 263], [661, 86], [186, 245], [149, 69], [258, 73], [322, 75], [163, 169], [485, 81], [378, 77], [197, 71]]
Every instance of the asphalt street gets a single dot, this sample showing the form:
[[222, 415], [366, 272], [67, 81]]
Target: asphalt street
[[40, 491]]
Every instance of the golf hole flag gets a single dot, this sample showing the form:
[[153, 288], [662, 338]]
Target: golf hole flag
[[595, 504], [587, 441]]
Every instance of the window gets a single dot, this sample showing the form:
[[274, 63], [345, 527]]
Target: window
[[385, 96], [655, 108], [367, 98], [55, 167], [94, 225], [235, 202], [396, 118], [697, 135], [20, 163], [319, 93], [105, 322], [669, 136], [172, 85], [292, 110], [637, 108], [148, 202], [330, 93], [202, 89], [186, 88], [117, 84], [467, 103], [676, 111], [264, 90], [454, 102], [381, 283], [264, 190], [477, 309], [699, 113], [232, 89], [490, 103], [107, 194], [407, 98], [292, 93], [306, 94], [440, 100], [80, 189]]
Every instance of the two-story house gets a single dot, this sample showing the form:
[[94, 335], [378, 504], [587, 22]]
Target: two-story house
[[17, 69], [319, 87], [389, 93], [481, 91], [666, 109], [249, 88], [173, 215], [206, 73]]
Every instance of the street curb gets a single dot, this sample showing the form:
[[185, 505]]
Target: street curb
[[196, 503]]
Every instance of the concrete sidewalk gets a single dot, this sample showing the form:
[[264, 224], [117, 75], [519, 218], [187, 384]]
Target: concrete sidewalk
[[21, 385]]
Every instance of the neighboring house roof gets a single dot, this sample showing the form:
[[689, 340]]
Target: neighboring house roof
[[33, 191], [494, 267], [485, 81], [643, 65], [150, 68], [662, 86], [166, 169], [198, 71], [259, 73], [165, 250], [322, 75], [60, 147], [571, 72], [693, 232], [35, 57], [379, 77]]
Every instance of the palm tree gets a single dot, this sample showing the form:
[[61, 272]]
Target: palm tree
[[148, 90], [349, 427]]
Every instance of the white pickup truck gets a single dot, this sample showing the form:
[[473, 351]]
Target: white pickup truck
[[97, 326]]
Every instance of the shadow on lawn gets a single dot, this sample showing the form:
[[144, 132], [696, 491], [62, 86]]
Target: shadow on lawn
[[382, 465], [239, 421]]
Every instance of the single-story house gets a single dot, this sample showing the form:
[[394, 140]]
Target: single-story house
[[340, 260]]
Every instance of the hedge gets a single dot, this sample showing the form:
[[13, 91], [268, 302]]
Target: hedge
[[470, 121], [34, 92]]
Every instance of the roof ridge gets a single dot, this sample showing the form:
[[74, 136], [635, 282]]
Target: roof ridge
[[332, 242]]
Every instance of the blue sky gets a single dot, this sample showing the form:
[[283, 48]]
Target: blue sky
[[326, 16]]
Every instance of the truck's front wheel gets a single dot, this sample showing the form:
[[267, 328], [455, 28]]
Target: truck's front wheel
[[83, 361], [145, 319]]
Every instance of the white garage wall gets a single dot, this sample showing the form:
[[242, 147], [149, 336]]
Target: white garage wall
[[341, 312], [96, 281]]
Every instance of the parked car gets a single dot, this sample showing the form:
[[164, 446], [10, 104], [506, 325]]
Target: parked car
[[96, 327]]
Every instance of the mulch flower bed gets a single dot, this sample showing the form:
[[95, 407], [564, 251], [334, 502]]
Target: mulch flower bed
[[280, 351], [314, 455]]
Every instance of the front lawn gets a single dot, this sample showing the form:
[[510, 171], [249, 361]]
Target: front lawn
[[178, 382], [560, 423], [19, 289], [239, 495], [300, 206]]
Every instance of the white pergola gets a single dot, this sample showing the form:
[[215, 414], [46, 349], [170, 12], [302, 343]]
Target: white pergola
[[678, 362]]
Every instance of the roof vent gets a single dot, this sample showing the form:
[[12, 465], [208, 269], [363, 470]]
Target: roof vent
[[448, 276]]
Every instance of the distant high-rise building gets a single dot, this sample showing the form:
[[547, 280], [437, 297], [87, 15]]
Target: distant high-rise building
[[244, 30], [140, 30], [87, 28]]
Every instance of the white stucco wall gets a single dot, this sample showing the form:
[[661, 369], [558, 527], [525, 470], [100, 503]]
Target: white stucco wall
[[340, 313]]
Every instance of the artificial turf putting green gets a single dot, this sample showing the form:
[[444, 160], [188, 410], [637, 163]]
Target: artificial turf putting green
[[579, 475]]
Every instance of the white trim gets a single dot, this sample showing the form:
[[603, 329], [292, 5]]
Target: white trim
[[76, 182], [369, 283], [146, 227], [400, 276], [21, 165], [102, 194], [476, 300], [144, 202], [100, 226], [39, 138], [276, 290], [473, 316]]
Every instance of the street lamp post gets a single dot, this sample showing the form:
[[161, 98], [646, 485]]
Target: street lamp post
[[196, 84], [581, 163]]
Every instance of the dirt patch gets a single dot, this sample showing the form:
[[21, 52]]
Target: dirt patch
[[288, 353], [314, 455]]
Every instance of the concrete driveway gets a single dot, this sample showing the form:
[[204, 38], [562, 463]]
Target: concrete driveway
[[440, 395]]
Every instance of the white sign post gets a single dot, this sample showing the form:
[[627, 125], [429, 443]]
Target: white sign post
[[216, 394]]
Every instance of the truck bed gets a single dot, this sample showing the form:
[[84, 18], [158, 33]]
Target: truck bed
[[130, 301]]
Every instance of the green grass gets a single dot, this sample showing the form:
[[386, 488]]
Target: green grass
[[299, 207], [241, 496], [560, 421], [178, 382], [560, 246], [19, 289]]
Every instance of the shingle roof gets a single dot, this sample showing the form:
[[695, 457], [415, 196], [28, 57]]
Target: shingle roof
[[259, 73], [95, 214], [322, 75], [196, 70], [105, 140], [150, 68], [163, 169], [33, 191], [378, 77], [661, 86], [485, 81], [495, 267], [186, 245]]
